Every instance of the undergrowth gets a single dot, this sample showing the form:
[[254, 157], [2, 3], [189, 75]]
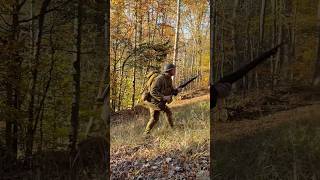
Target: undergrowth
[[289, 151], [191, 128]]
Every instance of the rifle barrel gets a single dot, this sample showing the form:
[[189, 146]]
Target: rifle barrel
[[233, 77], [187, 82]]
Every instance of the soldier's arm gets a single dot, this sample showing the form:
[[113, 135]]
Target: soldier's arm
[[175, 91], [155, 89]]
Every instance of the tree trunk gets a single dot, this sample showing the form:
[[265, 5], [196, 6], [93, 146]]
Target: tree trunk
[[274, 42], [133, 98], [99, 55], [316, 76], [235, 59], [213, 24], [261, 36], [34, 72], [13, 86], [176, 38], [262, 22], [39, 115], [247, 49], [76, 81], [293, 41], [107, 80], [280, 39]]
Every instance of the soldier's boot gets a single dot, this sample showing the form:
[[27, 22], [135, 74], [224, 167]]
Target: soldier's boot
[[154, 118], [169, 116]]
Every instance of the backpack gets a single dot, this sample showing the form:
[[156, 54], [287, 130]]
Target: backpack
[[150, 76]]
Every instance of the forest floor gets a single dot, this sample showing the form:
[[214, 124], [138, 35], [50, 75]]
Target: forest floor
[[266, 136]]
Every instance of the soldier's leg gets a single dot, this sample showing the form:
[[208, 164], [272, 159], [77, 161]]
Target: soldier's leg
[[169, 115], [154, 118]]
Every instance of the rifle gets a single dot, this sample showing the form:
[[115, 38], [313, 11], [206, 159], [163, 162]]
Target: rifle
[[231, 78], [185, 84], [235, 76]]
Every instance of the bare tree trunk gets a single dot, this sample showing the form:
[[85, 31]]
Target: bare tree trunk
[[293, 41], [316, 76], [133, 98], [261, 36], [34, 71], [213, 25], [39, 115], [176, 39], [247, 51], [13, 86], [32, 27], [235, 59], [114, 83], [274, 42], [285, 65], [262, 22], [280, 39], [252, 75], [107, 80], [76, 82], [99, 43]]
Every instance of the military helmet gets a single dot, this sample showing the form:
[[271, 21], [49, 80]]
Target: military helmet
[[168, 67]]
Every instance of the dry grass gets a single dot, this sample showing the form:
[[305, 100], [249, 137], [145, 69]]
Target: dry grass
[[281, 146], [191, 129]]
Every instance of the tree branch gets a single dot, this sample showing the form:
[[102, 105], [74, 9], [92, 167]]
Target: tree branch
[[5, 21], [45, 12], [21, 4]]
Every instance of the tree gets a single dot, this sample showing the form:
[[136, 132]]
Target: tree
[[176, 39], [13, 75], [76, 79], [316, 76], [213, 24], [235, 59], [261, 35], [31, 124], [107, 81]]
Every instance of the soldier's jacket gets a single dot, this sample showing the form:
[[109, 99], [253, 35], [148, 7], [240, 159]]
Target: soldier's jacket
[[160, 87]]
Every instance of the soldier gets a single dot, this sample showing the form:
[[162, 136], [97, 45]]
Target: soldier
[[161, 91]]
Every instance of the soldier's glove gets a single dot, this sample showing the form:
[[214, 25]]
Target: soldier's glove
[[223, 89]]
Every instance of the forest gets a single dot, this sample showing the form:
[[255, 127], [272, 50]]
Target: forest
[[268, 124], [244, 29], [147, 34], [54, 73], [267, 128], [72, 73]]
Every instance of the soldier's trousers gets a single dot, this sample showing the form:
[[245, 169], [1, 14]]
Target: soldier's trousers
[[154, 118]]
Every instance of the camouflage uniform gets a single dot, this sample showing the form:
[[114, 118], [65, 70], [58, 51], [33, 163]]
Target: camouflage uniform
[[160, 87]]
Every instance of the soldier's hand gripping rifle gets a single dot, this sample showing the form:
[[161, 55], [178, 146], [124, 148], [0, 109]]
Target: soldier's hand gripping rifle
[[176, 92], [233, 77]]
